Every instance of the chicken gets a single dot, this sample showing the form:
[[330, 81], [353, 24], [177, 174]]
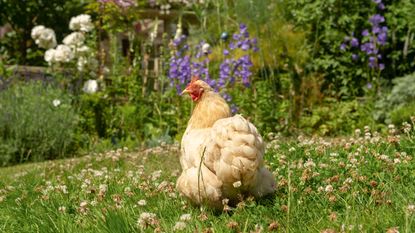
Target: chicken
[[221, 154]]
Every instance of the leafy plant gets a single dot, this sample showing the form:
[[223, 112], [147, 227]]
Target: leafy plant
[[37, 122], [402, 94]]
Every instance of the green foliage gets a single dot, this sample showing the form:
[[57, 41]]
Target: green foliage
[[401, 97], [262, 106], [336, 117], [403, 113], [32, 128], [402, 49]]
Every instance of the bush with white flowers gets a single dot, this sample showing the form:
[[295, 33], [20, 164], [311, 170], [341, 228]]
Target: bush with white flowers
[[73, 47]]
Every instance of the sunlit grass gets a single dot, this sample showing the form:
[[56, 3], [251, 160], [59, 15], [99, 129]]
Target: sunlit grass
[[358, 184]]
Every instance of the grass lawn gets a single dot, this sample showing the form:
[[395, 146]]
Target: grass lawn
[[358, 184]]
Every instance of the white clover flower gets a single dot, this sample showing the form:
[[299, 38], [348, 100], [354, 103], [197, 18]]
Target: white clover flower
[[103, 188], [81, 23], [90, 86], [83, 204], [56, 102], [186, 217], [63, 53], [329, 188], [237, 184], [142, 202], [75, 39], [309, 163], [147, 219], [411, 208], [179, 226]]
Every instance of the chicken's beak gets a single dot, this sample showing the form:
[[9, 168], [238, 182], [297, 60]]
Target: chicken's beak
[[184, 91]]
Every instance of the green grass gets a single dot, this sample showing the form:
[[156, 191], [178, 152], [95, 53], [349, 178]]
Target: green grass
[[331, 185]]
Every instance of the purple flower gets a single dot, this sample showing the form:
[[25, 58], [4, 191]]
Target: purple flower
[[372, 62], [365, 32], [382, 38], [377, 1], [343, 46], [381, 6], [354, 42], [125, 3], [369, 85], [381, 66], [245, 45], [234, 108], [376, 19], [355, 57], [225, 52]]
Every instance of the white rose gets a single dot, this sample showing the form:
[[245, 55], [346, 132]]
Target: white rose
[[50, 55], [82, 50], [44, 37], [36, 31], [63, 53], [75, 38], [81, 23], [90, 86]]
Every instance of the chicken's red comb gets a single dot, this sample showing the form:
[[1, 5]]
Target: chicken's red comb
[[194, 79]]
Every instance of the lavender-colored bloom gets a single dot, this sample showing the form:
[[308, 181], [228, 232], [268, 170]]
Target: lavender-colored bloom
[[152, 3], [381, 6], [343, 46], [381, 66], [234, 108], [369, 85], [125, 3], [245, 45], [354, 42], [236, 37], [365, 32], [372, 62], [376, 19], [377, 1], [227, 97], [382, 38], [232, 46], [375, 29], [225, 52], [355, 57]]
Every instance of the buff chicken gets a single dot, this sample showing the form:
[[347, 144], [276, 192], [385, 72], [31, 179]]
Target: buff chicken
[[221, 154]]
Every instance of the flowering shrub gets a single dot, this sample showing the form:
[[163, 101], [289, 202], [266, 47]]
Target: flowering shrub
[[74, 48], [373, 40], [233, 69]]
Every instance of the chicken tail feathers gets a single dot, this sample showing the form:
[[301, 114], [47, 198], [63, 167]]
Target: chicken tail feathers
[[235, 153]]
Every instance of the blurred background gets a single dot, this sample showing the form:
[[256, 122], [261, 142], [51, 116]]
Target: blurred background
[[82, 75]]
